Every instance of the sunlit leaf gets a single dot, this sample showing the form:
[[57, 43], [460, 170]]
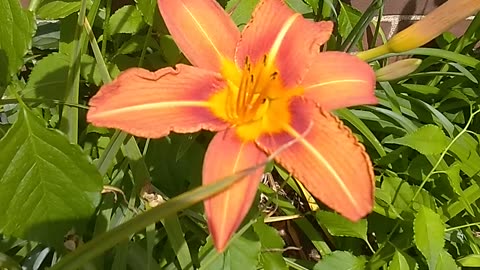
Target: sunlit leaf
[[341, 260], [16, 31], [57, 9], [427, 140], [340, 226], [429, 232], [47, 185]]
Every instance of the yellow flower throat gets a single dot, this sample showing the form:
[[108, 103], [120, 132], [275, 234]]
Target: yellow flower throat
[[254, 101]]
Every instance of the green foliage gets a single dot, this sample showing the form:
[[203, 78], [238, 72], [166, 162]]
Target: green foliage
[[48, 185], [422, 137], [17, 28]]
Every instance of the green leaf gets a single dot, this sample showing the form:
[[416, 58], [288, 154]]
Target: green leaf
[[455, 180], [340, 226], [47, 185], [57, 9], [472, 260], [271, 240], [49, 78], [17, 27], [241, 10], [148, 8], [445, 261], [398, 194], [347, 19], [126, 20], [429, 231], [341, 260], [242, 254], [428, 140], [402, 262]]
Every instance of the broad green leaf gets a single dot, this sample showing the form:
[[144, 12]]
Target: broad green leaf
[[428, 140], [299, 6], [47, 185], [272, 245], [429, 231], [57, 9], [242, 254], [347, 19], [17, 27], [148, 8], [241, 10], [397, 193], [472, 260], [126, 20], [402, 262], [170, 50], [340, 226], [49, 78], [455, 181], [445, 261], [341, 260]]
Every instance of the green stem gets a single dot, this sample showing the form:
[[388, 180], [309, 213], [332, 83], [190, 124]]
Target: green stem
[[374, 53]]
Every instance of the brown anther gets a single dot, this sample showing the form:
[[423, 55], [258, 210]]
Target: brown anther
[[273, 76], [264, 59], [252, 78]]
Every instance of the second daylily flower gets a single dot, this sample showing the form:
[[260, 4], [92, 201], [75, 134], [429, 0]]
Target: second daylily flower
[[259, 90]]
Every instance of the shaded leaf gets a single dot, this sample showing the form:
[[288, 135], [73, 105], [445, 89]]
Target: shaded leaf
[[16, 30], [429, 231], [148, 8], [428, 140], [341, 260], [340, 226], [242, 254], [241, 10], [47, 185], [126, 20], [402, 262], [49, 78], [272, 245]]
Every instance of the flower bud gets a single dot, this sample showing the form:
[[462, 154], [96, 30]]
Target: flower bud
[[398, 69]]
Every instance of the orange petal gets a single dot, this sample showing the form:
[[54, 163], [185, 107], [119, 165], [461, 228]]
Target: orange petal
[[336, 80], [285, 36], [326, 158], [201, 29], [151, 104], [225, 156]]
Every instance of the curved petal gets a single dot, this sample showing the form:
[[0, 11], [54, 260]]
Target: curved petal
[[336, 80], [326, 158], [202, 30], [286, 37], [151, 104], [227, 155]]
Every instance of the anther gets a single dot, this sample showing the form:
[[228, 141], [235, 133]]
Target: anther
[[273, 76], [251, 78], [264, 59]]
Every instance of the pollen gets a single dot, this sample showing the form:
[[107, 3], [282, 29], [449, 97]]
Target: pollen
[[254, 101]]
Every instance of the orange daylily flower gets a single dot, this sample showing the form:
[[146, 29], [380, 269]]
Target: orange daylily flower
[[259, 89]]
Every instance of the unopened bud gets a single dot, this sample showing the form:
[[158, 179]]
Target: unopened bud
[[435, 23], [398, 69]]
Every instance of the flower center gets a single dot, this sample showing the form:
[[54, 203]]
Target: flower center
[[254, 101]]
